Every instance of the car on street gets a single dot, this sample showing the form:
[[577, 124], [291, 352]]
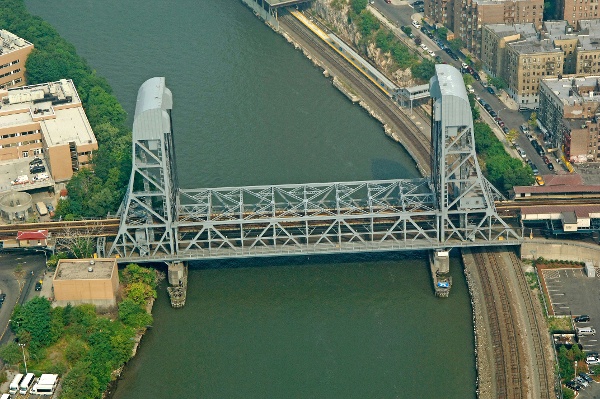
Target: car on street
[[545, 159], [476, 76], [581, 381], [38, 285], [539, 180], [534, 168], [431, 53], [572, 385], [418, 3], [493, 114], [582, 318], [2, 298], [415, 23], [505, 129], [490, 90], [550, 166]]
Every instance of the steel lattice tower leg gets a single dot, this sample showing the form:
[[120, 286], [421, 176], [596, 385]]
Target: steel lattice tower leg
[[465, 198], [149, 207]]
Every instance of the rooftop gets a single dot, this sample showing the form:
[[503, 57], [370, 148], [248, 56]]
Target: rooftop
[[558, 189], [574, 90], [527, 31], [581, 211], [10, 42], [78, 269], [55, 106]]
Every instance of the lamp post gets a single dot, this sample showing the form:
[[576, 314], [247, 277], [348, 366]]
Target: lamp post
[[24, 361]]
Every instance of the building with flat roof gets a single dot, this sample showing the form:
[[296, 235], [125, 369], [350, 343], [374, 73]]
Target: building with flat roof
[[470, 16], [46, 120], [575, 11], [517, 54], [569, 108], [78, 281], [13, 54]]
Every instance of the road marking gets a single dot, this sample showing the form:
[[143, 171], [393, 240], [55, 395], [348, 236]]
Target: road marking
[[559, 294]]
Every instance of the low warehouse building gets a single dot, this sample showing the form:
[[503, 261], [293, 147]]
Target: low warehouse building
[[78, 281]]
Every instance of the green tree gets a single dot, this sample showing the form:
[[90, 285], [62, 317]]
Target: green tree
[[75, 350], [34, 318], [512, 135], [423, 71], [80, 383], [368, 23], [407, 30], [456, 45], [11, 353], [442, 33], [358, 5], [133, 315], [532, 120], [498, 83]]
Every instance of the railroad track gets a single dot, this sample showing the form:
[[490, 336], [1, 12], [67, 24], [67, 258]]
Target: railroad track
[[508, 359], [419, 144], [538, 327]]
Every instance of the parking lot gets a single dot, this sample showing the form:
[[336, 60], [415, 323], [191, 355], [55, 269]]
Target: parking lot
[[10, 170], [572, 293]]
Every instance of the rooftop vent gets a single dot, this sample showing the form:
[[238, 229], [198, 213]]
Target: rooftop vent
[[90, 269]]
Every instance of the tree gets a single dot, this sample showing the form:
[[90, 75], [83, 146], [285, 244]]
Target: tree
[[512, 135], [442, 33], [498, 83], [456, 45], [32, 321], [11, 353], [358, 5], [468, 79], [80, 383], [79, 244], [423, 71], [407, 30], [532, 120], [368, 23]]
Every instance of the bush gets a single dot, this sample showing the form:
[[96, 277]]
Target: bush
[[423, 71]]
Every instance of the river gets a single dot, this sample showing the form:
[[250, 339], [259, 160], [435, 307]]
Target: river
[[249, 109]]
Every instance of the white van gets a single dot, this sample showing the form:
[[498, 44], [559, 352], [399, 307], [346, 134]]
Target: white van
[[41, 208], [15, 384], [416, 24], [5, 396], [45, 385], [26, 383], [583, 331]]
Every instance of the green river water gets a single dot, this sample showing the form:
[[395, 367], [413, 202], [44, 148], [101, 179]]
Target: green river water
[[248, 110]]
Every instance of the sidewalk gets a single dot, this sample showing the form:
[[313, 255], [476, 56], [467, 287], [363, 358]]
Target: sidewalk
[[508, 102]]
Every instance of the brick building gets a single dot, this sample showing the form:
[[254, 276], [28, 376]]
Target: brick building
[[13, 55]]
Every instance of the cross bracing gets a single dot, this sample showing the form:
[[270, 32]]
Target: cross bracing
[[453, 208]]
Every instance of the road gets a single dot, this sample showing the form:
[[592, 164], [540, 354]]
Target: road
[[402, 14], [17, 289]]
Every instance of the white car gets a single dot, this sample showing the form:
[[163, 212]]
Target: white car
[[20, 180], [464, 66], [416, 24], [431, 53], [41, 177], [592, 360]]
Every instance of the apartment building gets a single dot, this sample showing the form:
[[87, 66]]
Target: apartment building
[[575, 11], [517, 54], [13, 55], [570, 113], [46, 120], [471, 15], [440, 12]]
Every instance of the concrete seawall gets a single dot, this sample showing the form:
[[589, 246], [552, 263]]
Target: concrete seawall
[[561, 250]]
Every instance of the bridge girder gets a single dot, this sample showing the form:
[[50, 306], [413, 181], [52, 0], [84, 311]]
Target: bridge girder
[[454, 208]]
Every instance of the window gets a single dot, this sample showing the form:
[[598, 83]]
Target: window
[[38, 151], [25, 154]]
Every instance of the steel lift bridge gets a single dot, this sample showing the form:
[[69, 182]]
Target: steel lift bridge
[[453, 208]]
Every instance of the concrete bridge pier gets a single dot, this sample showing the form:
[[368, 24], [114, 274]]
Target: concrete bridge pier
[[439, 263], [177, 275]]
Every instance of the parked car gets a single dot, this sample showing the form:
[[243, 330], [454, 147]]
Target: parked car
[[41, 177], [505, 129], [572, 385], [581, 381], [414, 23], [38, 285], [582, 319], [550, 166], [490, 90], [476, 76], [38, 169], [586, 377], [524, 128], [493, 114], [431, 53], [24, 179], [36, 161]]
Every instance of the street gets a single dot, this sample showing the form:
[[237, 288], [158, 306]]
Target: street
[[13, 287], [402, 14]]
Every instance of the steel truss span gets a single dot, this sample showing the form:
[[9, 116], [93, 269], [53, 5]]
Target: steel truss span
[[161, 222]]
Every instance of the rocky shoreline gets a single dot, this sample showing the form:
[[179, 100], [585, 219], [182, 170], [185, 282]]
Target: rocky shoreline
[[483, 361]]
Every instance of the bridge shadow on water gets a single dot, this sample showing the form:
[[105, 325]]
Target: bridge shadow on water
[[312, 260]]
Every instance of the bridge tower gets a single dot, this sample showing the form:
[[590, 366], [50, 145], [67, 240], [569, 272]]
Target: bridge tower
[[148, 210], [464, 197]]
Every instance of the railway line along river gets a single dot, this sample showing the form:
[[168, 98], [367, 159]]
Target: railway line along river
[[248, 110]]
